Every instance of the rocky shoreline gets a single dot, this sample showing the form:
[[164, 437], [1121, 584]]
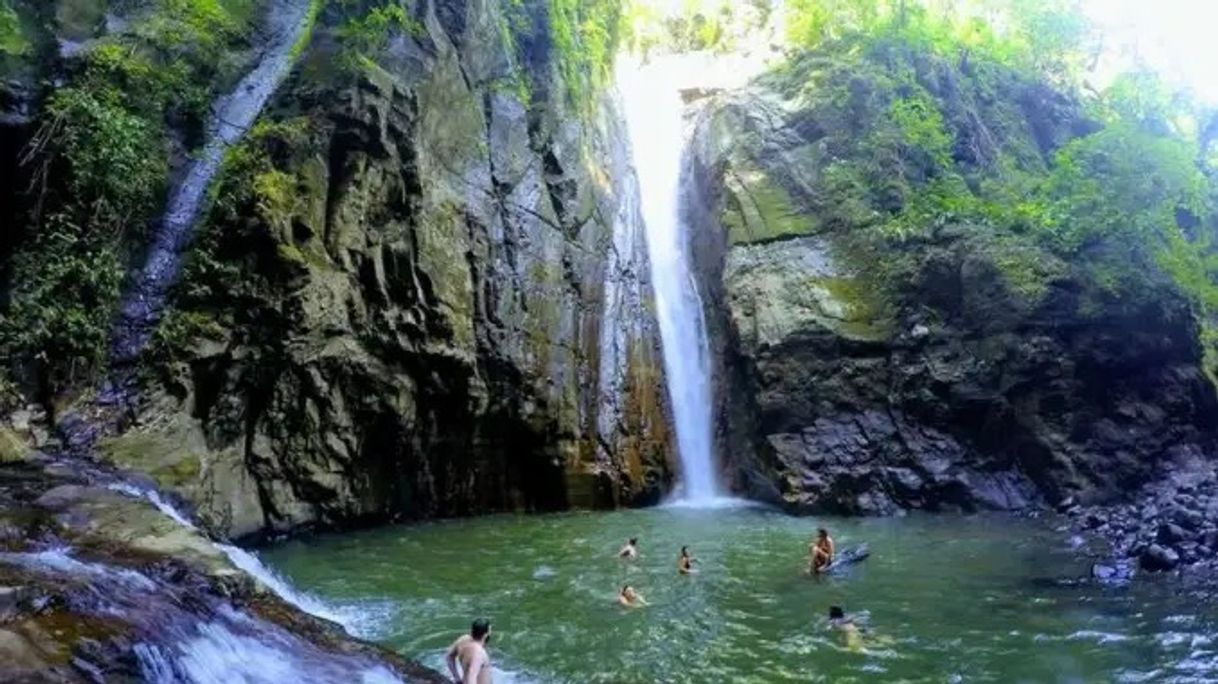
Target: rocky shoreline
[[1170, 526]]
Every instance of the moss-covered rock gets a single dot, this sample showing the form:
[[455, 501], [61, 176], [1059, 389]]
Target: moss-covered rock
[[12, 447], [777, 289], [898, 323], [416, 294]]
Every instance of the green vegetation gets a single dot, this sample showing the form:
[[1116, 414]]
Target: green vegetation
[[1049, 36], [13, 40], [256, 202], [364, 34], [718, 25], [306, 36], [925, 128], [245, 249], [585, 35], [100, 161]]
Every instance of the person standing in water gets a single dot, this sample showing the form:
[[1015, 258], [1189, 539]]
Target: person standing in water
[[631, 550], [685, 563], [822, 551], [629, 598], [470, 651]]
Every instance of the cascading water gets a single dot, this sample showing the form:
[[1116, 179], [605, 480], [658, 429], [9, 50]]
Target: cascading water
[[248, 562], [196, 641], [654, 110], [287, 26], [288, 23]]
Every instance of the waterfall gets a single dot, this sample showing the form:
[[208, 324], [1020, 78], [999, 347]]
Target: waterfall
[[232, 115], [654, 119], [247, 562], [200, 641]]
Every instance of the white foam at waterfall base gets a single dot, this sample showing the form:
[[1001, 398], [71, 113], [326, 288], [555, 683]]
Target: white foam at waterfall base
[[247, 561], [654, 110], [711, 503]]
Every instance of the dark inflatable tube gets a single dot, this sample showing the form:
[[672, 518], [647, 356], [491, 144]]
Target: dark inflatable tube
[[847, 558]]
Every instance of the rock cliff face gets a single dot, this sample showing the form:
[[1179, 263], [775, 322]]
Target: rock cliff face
[[421, 288], [952, 367], [421, 292]]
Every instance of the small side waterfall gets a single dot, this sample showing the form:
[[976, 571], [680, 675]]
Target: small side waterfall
[[247, 561], [288, 23], [654, 119]]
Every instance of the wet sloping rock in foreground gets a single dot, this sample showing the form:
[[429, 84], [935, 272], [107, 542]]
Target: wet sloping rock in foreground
[[99, 586], [878, 355]]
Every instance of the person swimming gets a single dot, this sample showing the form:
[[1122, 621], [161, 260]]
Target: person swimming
[[822, 551], [685, 563], [631, 550], [845, 625], [629, 598]]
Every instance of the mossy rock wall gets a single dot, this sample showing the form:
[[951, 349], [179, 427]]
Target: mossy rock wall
[[418, 293], [884, 341]]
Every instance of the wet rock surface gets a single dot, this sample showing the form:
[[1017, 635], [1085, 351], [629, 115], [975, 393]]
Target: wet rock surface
[[449, 312], [97, 586], [1168, 526]]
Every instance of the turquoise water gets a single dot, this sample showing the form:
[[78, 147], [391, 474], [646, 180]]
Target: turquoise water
[[946, 599]]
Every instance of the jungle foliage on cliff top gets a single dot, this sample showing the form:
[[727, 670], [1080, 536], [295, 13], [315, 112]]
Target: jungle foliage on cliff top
[[13, 40], [100, 164], [1126, 193], [585, 34], [692, 25]]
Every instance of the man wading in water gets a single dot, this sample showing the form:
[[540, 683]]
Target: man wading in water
[[470, 649]]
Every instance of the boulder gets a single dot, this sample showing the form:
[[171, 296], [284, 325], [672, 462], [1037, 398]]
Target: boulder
[[1158, 558], [1170, 534]]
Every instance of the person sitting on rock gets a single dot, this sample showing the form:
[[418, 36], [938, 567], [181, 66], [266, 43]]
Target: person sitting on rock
[[685, 563], [629, 598], [631, 550], [822, 551]]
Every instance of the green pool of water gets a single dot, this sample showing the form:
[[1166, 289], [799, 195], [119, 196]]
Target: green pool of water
[[948, 599]]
